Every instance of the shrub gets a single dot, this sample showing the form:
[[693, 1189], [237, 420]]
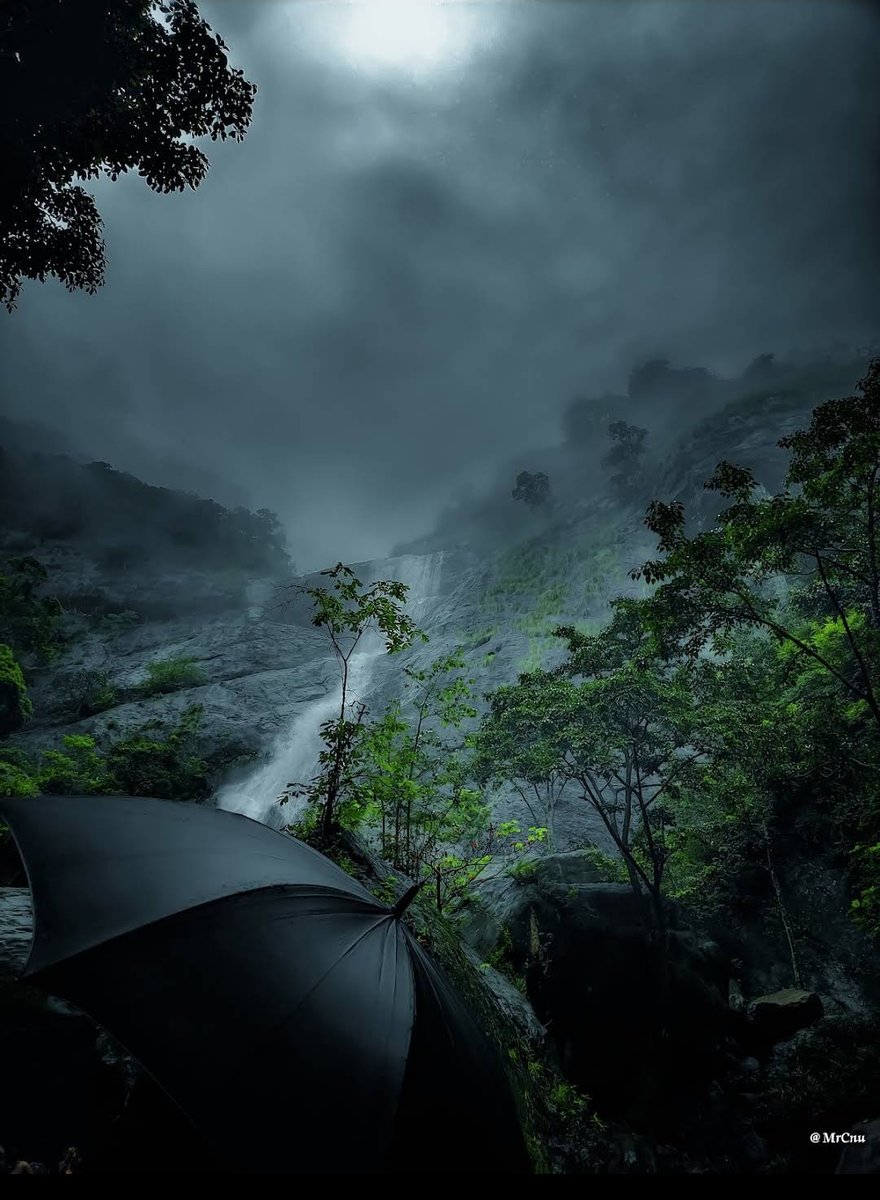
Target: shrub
[[29, 621], [171, 675], [16, 773], [79, 768], [523, 871], [612, 869], [146, 764], [15, 707]]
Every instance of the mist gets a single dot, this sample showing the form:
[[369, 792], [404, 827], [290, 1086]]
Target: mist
[[425, 249]]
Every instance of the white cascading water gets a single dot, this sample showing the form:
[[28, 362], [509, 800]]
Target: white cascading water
[[294, 758]]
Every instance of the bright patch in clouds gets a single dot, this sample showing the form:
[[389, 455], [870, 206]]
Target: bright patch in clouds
[[416, 37]]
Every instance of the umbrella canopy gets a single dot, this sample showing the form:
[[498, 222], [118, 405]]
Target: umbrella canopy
[[292, 1017]]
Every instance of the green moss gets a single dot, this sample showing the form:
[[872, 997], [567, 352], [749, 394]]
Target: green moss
[[546, 578], [479, 637]]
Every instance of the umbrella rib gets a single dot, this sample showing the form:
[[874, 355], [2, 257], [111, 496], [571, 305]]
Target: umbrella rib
[[272, 1029], [181, 914]]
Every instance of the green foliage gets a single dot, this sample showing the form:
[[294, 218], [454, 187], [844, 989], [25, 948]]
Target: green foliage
[[547, 576], [102, 90], [523, 871], [567, 1102], [385, 890], [29, 620], [781, 600], [610, 868], [149, 761], [15, 707], [615, 725], [148, 764], [478, 638], [79, 769], [407, 783], [501, 959], [171, 675], [348, 611], [16, 778], [820, 530]]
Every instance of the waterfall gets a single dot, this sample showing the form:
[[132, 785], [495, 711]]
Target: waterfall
[[294, 757]]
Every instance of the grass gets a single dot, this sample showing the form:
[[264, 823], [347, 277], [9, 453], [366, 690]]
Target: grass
[[171, 675]]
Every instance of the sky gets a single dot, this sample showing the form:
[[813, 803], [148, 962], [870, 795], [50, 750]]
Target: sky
[[448, 220]]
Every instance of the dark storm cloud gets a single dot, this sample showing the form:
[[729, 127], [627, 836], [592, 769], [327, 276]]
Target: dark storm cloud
[[400, 278]]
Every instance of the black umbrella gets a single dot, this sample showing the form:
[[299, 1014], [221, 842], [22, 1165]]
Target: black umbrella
[[292, 1017]]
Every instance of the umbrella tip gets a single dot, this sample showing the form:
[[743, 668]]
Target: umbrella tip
[[407, 898]]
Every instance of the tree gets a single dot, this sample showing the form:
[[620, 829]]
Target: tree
[[532, 489], [818, 538], [619, 725], [412, 786], [88, 88], [348, 612], [625, 456], [29, 620], [531, 765]]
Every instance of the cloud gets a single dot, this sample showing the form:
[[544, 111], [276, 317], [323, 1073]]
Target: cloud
[[399, 280]]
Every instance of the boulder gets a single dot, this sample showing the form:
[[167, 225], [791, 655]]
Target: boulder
[[632, 1017], [779, 1015]]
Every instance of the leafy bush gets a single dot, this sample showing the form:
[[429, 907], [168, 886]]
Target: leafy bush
[[15, 776], [610, 868], [80, 768], [29, 621], [15, 707], [171, 675], [523, 871], [146, 762]]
